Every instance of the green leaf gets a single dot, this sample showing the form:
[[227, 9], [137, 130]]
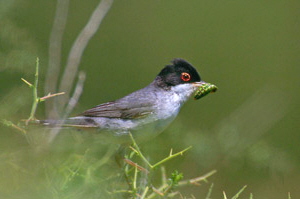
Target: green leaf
[[175, 178]]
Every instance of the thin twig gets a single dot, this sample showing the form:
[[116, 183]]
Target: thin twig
[[55, 46], [195, 181], [51, 95], [239, 192], [162, 189], [171, 156], [27, 82], [251, 196], [209, 191], [135, 178], [14, 126], [78, 47], [135, 165], [137, 150], [224, 194], [156, 191], [72, 103], [145, 192], [76, 95]]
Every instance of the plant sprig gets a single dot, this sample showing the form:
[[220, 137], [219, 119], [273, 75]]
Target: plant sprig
[[36, 99], [137, 150], [14, 126], [137, 173]]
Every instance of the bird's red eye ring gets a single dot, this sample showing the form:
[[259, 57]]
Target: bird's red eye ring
[[185, 77]]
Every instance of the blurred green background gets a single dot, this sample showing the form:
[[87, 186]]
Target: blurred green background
[[248, 130]]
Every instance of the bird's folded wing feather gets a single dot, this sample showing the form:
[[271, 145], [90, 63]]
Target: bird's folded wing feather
[[119, 110]]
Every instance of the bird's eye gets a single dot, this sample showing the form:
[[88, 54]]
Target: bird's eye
[[185, 77]]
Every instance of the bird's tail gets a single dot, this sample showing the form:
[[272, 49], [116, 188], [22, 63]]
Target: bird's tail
[[76, 122]]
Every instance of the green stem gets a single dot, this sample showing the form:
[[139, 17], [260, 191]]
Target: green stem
[[209, 191], [36, 99], [135, 178], [198, 179], [138, 151], [145, 192], [171, 156], [240, 191]]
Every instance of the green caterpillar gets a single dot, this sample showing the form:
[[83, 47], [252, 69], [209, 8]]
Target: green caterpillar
[[205, 89]]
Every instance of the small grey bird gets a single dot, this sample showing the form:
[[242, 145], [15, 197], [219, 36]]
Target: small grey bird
[[144, 113]]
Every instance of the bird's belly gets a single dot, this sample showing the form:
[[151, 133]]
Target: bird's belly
[[142, 129], [156, 123], [149, 130]]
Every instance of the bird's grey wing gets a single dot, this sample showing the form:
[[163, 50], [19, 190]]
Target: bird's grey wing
[[138, 104], [123, 110]]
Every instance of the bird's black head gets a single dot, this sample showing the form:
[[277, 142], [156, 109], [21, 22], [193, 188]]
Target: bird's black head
[[180, 72]]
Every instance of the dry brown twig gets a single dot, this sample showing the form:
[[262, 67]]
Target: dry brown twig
[[78, 47], [63, 106], [55, 47]]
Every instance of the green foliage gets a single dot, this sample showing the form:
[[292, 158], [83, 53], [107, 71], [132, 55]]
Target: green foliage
[[141, 181], [175, 178]]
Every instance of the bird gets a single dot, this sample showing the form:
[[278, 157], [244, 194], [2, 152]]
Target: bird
[[144, 113]]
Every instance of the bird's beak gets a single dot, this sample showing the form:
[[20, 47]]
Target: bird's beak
[[198, 84]]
